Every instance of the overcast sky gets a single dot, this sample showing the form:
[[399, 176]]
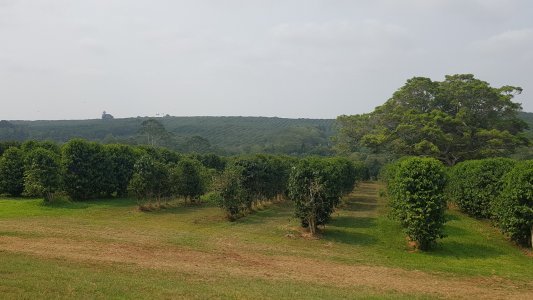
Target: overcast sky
[[68, 59]]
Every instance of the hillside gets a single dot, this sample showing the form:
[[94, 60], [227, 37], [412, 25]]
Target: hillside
[[528, 118], [229, 135], [224, 135]]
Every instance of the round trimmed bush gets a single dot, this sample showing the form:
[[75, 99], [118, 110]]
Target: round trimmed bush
[[416, 190]]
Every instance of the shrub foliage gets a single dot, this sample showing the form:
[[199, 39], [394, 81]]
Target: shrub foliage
[[12, 172], [316, 186], [42, 173], [474, 184], [415, 186], [513, 209]]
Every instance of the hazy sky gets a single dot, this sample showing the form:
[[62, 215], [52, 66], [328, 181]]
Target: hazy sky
[[70, 59]]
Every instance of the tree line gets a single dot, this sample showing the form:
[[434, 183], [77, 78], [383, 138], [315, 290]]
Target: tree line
[[88, 170]]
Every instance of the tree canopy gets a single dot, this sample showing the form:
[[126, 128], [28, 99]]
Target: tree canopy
[[454, 120]]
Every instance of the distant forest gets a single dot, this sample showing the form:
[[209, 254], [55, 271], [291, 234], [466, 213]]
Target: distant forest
[[220, 135]]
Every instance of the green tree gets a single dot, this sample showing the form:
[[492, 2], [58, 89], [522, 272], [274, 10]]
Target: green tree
[[454, 120], [42, 173], [12, 172], [154, 132]]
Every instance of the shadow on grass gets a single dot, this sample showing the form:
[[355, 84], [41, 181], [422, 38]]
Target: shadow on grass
[[179, 208], [353, 222], [262, 216], [67, 205], [452, 217], [348, 237], [359, 206], [447, 249], [452, 230], [122, 202], [339, 230]]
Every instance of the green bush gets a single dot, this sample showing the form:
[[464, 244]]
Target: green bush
[[513, 209], [212, 197], [415, 187], [186, 179], [361, 171], [84, 169], [474, 184], [41, 174], [232, 196], [211, 161], [120, 161], [161, 155], [316, 185], [30, 145], [341, 174], [57, 198], [150, 179], [4, 145], [250, 180], [12, 172]]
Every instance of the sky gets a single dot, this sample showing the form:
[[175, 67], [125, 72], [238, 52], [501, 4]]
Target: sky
[[73, 59]]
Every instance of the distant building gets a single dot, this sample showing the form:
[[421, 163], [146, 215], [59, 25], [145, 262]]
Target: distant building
[[106, 116]]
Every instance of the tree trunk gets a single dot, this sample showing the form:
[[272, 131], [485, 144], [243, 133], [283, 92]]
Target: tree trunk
[[531, 236], [312, 226]]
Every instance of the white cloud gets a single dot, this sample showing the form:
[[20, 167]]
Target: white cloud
[[517, 44], [367, 33], [93, 45], [480, 10]]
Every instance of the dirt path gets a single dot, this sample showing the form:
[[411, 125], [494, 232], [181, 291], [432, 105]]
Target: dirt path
[[234, 263]]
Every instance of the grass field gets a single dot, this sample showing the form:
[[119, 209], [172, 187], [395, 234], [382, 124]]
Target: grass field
[[108, 249]]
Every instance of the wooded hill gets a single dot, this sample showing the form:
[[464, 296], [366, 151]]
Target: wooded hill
[[224, 135]]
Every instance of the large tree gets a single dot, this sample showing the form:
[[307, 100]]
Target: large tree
[[154, 131], [457, 119]]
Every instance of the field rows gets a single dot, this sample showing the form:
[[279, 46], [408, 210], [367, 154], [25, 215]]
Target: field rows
[[103, 249]]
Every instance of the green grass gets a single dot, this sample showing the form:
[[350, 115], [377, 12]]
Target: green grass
[[472, 247], [360, 234], [37, 279]]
